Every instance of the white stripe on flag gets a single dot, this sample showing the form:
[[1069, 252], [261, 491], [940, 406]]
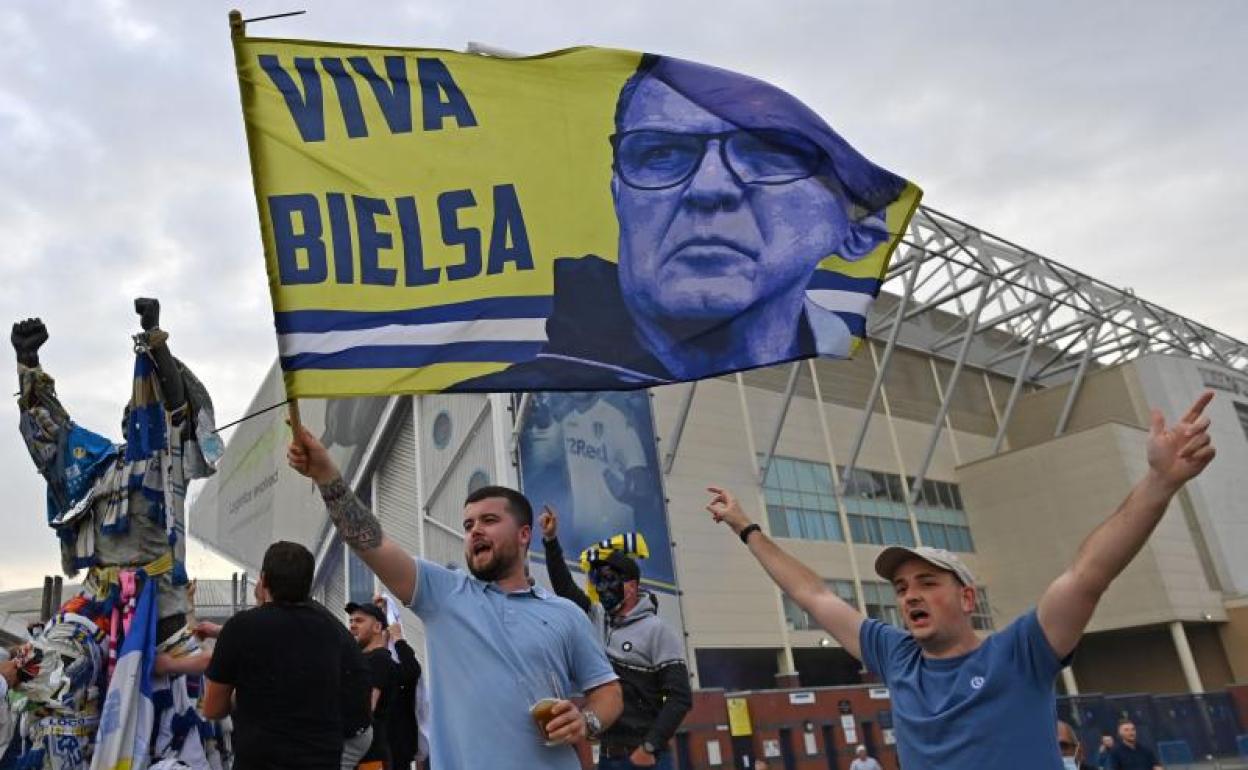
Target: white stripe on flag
[[491, 330], [840, 301]]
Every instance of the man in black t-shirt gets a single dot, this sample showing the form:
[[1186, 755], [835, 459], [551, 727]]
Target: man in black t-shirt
[[368, 624], [1130, 755], [402, 725], [281, 663]]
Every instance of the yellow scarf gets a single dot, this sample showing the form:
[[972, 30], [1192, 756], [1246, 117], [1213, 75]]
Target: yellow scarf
[[631, 544]]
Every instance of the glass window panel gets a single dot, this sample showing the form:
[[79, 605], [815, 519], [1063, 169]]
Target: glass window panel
[[895, 492], [812, 525], [794, 518], [776, 521], [925, 532], [773, 475], [946, 498], [832, 524], [811, 501], [879, 485], [794, 615], [873, 531], [823, 478], [957, 497], [907, 535], [888, 531], [858, 527], [930, 495], [788, 474], [773, 496], [806, 477], [792, 498]]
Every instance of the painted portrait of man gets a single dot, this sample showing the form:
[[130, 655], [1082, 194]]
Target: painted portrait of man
[[729, 193]]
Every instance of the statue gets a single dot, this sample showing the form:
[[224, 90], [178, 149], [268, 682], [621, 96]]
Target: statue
[[119, 513]]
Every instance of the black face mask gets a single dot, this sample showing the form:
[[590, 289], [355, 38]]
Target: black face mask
[[610, 587]]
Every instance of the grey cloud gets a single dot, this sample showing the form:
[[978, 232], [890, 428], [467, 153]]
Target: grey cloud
[[1107, 136]]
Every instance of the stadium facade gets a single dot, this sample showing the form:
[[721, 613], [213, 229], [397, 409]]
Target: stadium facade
[[999, 409]]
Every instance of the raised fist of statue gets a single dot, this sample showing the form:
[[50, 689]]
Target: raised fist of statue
[[149, 312], [27, 337]]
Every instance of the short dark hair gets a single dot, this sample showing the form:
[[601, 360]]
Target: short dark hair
[[287, 571], [517, 504]]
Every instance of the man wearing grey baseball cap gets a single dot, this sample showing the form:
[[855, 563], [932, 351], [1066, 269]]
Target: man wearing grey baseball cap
[[960, 701]]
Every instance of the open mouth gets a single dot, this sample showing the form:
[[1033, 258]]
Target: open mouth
[[918, 617], [480, 547]]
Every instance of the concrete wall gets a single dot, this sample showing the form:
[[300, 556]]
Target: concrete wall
[[1049, 497], [1144, 660], [1219, 496], [1234, 635]]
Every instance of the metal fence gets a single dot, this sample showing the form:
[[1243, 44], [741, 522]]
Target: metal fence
[[1184, 728]]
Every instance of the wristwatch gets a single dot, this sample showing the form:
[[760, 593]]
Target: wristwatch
[[649, 748], [593, 725]]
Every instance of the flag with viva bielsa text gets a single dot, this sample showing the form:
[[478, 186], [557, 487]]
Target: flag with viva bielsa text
[[586, 219]]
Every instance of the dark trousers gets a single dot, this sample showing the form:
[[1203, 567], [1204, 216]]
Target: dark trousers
[[664, 762]]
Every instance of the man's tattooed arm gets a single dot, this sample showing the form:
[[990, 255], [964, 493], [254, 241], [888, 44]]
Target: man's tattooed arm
[[357, 525]]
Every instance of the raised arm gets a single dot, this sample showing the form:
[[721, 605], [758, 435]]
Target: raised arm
[[44, 422], [560, 576], [830, 611], [1176, 454], [172, 389], [355, 523]]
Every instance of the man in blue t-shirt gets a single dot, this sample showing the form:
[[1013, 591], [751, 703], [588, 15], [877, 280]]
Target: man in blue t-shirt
[[960, 701], [499, 649]]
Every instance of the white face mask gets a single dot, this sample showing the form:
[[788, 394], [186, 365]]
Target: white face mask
[[1069, 763]]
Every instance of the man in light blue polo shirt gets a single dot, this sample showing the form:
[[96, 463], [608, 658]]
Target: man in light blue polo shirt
[[960, 701], [496, 645]]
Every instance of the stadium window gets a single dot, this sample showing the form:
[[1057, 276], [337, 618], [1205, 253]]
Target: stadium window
[[981, 618], [799, 620], [876, 504], [800, 500], [1241, 411], [881, 601]]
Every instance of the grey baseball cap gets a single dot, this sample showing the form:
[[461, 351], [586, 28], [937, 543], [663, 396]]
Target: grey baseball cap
[[895, 555]]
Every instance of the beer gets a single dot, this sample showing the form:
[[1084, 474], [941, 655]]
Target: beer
[[543, 711]]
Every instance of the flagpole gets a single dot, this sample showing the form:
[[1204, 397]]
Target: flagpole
[[238, 29]]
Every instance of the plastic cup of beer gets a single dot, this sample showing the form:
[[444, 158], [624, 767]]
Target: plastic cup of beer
[[547, 694], [543, 711]]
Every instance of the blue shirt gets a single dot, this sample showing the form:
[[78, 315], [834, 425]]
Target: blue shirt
[[491, 654], [993, 707]]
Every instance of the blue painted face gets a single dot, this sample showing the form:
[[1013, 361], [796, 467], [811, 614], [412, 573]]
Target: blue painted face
[[743, 221], [610, 587]]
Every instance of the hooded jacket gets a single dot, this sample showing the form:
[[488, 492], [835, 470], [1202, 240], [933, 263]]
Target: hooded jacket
[[647, 655]]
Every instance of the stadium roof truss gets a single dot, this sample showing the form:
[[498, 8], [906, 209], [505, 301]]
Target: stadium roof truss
[[955, 292]]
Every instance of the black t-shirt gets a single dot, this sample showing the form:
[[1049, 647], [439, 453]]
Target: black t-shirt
[[384, 676], [285, 663], [357, 687], [1123, 757]]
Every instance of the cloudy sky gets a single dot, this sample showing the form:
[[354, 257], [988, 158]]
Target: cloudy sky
[[1109, 136]]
